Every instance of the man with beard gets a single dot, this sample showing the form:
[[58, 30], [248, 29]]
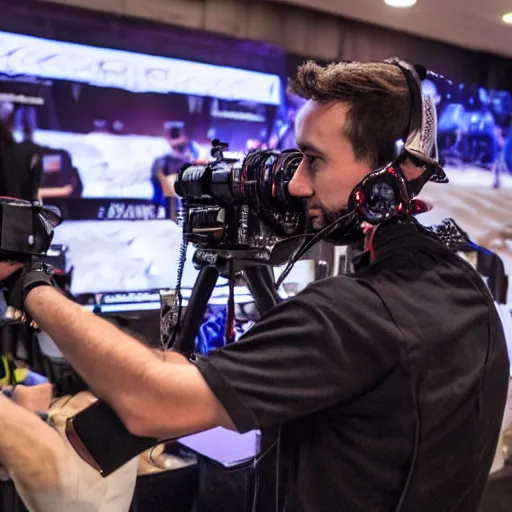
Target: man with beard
[[385, 388]]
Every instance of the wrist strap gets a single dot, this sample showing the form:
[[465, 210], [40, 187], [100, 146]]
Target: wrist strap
[[39, 274]]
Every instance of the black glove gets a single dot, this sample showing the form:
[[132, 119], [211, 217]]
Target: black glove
[[18, 286]]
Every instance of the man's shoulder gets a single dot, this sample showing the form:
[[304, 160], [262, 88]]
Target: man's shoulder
[[343, 307], [340, 294], [342, 284], [159, 161]]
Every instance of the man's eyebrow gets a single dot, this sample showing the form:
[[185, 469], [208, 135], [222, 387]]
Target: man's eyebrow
[[308, 147]]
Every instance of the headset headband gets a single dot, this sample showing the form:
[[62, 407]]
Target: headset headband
[[421, 143]]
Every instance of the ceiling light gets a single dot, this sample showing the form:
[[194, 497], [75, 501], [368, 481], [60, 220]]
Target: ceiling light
[[507, 18], [400, 3]]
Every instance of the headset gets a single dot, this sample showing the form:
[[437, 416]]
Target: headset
[[386, 193]]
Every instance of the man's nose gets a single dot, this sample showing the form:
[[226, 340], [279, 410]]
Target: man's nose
[[300, 185]]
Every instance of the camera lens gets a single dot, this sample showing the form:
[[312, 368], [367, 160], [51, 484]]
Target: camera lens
[[224, 176], [192, 183], [283, 170], [261, 182]]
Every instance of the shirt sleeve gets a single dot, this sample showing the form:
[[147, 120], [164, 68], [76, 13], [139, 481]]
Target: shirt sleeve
[[323, 347]]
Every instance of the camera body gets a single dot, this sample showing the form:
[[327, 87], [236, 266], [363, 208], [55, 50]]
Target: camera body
[[235, 204]]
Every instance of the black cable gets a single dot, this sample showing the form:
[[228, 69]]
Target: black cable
[[230, 317], [182, 216], [309, 243], [415, 449]]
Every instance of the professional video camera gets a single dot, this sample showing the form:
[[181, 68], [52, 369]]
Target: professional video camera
[[230, 203], [239, 215]]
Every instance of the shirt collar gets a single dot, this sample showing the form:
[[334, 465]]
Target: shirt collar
[[387, 238]]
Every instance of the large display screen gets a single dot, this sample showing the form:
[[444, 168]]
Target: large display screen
[[115, 128], [115, 123], [122, 255]]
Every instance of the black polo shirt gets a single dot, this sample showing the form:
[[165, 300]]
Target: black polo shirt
[[389, 384]]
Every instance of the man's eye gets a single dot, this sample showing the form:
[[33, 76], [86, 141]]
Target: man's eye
[[310, 160]]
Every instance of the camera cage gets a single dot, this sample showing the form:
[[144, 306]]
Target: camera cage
[[240, 202]]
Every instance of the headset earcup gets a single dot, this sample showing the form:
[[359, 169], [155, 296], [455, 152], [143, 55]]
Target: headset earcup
[[380, 196]]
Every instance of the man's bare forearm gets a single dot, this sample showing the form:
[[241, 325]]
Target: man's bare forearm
[[154, 396], [114, 364], [47, 193]]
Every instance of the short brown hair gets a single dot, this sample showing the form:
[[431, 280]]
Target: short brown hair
[[377, 98]]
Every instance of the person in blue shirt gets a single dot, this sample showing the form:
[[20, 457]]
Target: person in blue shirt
[[165, 168]]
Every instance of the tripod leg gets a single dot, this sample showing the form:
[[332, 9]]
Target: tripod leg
[[260, 280], [194, 315]]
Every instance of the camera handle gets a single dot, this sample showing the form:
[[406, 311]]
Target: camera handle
[[256, 266], [194, 315]]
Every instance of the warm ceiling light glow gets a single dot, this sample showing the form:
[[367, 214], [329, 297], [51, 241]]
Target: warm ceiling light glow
[[507, 18], [400, 3]]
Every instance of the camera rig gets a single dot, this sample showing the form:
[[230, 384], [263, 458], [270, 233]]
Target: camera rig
[[26, 231], [239, 215], [240, 203]]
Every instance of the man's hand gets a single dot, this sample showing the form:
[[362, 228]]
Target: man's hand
[[19, 284]]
